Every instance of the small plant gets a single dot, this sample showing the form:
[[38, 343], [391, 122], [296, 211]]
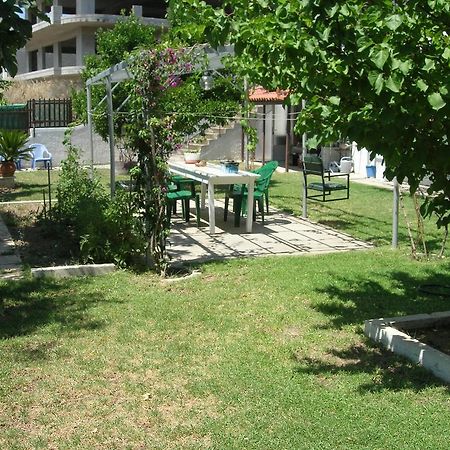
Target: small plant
[[12, 144]]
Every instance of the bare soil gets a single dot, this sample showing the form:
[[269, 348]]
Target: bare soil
[[437, 337], [39, 243]]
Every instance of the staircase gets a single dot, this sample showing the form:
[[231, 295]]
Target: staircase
[[219, 143]]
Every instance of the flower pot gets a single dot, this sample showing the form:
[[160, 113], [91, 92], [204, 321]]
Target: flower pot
[[7, 168], [191, 158]]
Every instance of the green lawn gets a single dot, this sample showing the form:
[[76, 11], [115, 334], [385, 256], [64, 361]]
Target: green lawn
[[31, 184], [261, 353], [253, 354], [366, 215]]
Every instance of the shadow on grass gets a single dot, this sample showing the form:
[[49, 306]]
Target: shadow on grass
[[354, 300], [23, 191], [388, 371], [31, 304]]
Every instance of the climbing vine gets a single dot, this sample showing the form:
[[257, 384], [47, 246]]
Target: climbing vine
[[152, 134]]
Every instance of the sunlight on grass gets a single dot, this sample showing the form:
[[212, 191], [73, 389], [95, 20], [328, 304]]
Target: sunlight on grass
[[261, 353], [31, 184]]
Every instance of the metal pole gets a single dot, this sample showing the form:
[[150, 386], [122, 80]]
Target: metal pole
[[264, 135], [286, 148], [89, 120], [49, 189], [112, 176], [395, 214], [304, 138], [247, 162]]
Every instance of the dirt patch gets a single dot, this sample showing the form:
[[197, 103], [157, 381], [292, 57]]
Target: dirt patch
[[437, 336], [39, 243]]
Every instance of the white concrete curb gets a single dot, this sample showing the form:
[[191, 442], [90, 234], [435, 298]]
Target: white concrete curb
[[383, 331], [78, 270]]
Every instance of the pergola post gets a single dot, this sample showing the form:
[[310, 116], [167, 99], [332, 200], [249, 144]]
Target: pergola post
[[111, 135], [89, 121], [286, 148]]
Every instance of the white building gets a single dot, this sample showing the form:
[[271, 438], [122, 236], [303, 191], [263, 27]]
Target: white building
[[58, 47]]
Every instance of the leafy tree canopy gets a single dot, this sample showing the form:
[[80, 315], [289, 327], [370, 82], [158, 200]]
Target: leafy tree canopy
[[15, 30], [376, 72]]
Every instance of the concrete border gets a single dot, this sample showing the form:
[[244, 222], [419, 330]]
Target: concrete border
[[78, 270], [385, 332]]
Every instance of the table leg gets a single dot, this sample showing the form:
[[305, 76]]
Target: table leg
[[250, 191], [203, 195], [212, 211]]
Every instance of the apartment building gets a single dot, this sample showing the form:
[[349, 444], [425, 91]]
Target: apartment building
[[58, 47]]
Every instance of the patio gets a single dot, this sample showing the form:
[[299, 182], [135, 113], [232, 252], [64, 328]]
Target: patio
[[282, 234]]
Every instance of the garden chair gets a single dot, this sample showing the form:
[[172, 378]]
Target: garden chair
[[268, 167], [239, 196], [39, 153], [312, 166], [185, 196]]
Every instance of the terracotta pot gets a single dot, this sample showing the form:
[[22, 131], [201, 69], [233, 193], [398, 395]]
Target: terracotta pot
[[7, 168]]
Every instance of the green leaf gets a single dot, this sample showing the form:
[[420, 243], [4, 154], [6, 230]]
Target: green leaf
[[394, 21], [379, 83], [394, 84], [379, 56], [446, 53], [335, 100], [429, 65], [436, 101], [422, 85]]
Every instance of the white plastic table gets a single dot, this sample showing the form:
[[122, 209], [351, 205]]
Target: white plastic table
[[212, 175]]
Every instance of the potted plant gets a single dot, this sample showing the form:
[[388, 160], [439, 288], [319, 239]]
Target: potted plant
[[12, 147], [192, 155]]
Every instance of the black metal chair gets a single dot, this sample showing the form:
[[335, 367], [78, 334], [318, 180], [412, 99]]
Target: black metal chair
[[312, 166]]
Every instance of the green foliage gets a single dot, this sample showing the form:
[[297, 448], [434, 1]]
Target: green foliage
[[377, 72], [105, 229], [16, 30], [113, 46], [12, 144]]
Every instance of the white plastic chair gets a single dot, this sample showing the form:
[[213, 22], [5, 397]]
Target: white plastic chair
[[40, 153]]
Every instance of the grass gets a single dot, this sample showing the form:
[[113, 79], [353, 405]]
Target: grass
[[31, 184], [252, 354], [367, 215], [261, 353]]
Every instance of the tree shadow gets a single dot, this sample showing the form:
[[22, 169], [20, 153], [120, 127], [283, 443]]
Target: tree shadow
[[351, 300], [31, 304], [23, 191], [388, 371]]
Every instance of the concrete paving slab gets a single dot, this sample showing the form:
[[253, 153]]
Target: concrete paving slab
[[282, 234], [10, 263]]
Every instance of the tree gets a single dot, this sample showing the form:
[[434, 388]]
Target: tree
[[15, 30], [376, 72]]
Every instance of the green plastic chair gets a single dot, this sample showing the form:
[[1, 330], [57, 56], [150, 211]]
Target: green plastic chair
[[268, 167], [185, 196], [239, 195]]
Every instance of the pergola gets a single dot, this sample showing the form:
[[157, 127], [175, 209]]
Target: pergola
[[113, 76]]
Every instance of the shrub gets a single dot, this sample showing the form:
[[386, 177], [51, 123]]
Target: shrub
[[106, 230]]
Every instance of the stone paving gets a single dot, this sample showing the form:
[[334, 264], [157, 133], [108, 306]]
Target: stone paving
[[282, 234], [10, 263]]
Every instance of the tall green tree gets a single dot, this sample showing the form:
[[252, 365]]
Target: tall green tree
[[377, 72], [15, 30]]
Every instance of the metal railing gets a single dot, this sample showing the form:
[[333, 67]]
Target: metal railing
[[47, 113]]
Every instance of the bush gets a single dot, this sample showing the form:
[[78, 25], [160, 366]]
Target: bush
[[106, 230]]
